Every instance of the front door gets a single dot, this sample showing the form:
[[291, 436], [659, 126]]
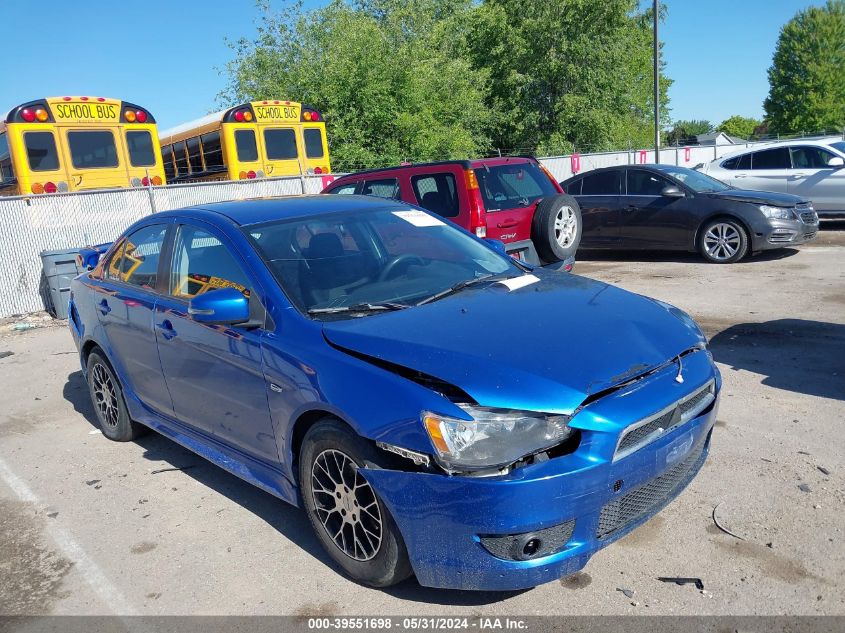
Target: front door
[[812, 178], [214, 372], [650, 219]]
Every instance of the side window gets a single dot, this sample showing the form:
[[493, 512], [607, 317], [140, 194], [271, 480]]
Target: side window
[[212, 153], [201, 263], [809, 157], [731, 163], [574, 188], [194, 155], [167, 159], [386, 188], [345, 189], [141, 152], [6, 171], [777, 158], [744, 162], [644, 183], [181, 158], [141, 254], [437, 193], [41, 151], [246, 147], [112, 269], [603, 183]]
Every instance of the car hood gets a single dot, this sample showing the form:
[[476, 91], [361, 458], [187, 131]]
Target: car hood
[[758, 197], [543, 347]]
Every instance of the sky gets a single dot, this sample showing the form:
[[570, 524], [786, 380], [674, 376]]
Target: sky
[[166, 55]]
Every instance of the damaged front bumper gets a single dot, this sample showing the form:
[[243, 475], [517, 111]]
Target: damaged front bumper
[[545, 520]]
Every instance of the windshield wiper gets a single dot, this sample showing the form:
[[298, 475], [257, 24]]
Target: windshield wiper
[[360, 307], [466, 283]]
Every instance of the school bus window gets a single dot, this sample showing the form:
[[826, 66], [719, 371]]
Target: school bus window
[[212, 153], [194, 155], [181, 158], [167, 159], [41, 151], [92, 149], [247, 148], [140, 144], [280, 144], [6, 171], [313, 142]]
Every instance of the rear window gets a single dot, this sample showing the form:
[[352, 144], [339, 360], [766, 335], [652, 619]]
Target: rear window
[[513, 185], [280, 144], [313, 142], [141, 152], [604, 183], [92, 149], [246, 146], [41, 151]]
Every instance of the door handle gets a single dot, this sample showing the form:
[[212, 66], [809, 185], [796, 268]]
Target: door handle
[[507, 224], [796, 176], [740, 176], [631, 207], [105, 308], [166, 328]]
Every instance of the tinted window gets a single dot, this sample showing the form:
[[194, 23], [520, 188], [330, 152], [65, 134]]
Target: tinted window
[[139, 265], [513, 185], [201, 263], [573, 188], [731, 163], [313, 142], [6, 171], [194, 154], [246, 147], [437, 193], [644, 183], [141, 152], [345, 189], [181, 157], [92, 150], [777, 158], [41, 151], [744, 162], [809, 157], [167, 159], [211, 151], [386, 188], [604, 183], [280, 144], [840, 145]]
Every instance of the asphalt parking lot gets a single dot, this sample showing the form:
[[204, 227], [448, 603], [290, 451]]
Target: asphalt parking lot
[[88, 526]]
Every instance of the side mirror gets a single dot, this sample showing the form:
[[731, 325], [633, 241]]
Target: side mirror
[[836, 162], [226, 306], [498, 245], [672, 192]]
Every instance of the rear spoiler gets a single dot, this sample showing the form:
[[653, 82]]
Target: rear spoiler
[[89, 256]]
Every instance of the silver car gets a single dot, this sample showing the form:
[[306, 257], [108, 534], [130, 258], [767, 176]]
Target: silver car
[[813, 169]]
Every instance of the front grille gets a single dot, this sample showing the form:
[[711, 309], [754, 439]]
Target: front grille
[[512, 546], [652, 497], [641, 433], [809, 217]]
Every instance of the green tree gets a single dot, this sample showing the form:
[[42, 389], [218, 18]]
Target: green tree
[[739, 126], [566, 73], [807, 77], [684, 132], [384, 73]]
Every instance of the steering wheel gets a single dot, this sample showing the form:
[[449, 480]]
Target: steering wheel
[[393, 264]]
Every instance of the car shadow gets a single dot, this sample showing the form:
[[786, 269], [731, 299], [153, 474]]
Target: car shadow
[[680, 257], [796, 355], [286, 519]]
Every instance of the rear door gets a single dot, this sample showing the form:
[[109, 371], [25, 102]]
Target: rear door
[[599, 194], [281, 151], [769, 171], [94, 158], [439, 190], [811, 178], [650, 219]]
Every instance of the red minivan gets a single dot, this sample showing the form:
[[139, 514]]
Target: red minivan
[[512, 199]]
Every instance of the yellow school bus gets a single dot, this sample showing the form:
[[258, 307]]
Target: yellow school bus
[[60, 144], [253, 140]]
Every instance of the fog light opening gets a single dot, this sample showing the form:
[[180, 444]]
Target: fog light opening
[[531, 547], [617, 485]]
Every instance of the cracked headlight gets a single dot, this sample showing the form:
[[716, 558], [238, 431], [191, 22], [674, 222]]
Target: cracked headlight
[[493, 437], [777, 213]]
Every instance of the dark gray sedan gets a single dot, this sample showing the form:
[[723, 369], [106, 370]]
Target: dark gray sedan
[[664, 207]]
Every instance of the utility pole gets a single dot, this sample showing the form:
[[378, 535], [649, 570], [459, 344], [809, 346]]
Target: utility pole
[[656, 84]]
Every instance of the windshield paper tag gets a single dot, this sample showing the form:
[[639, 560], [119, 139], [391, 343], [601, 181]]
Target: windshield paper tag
[[516, 283], [418, 218]]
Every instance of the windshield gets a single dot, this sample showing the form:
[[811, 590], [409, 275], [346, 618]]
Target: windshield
[[349, 264], [695, 180], [513, 185], [839, 145]]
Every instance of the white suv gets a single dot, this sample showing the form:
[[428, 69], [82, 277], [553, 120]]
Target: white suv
[[813, 169]]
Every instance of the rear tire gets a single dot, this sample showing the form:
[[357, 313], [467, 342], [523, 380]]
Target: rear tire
[[556, 228], [109, 405], [723, 241], [351, 522]]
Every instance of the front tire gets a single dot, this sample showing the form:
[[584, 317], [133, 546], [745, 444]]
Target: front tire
[[351, 522], [109, 405], [723, 241], [556, 228]]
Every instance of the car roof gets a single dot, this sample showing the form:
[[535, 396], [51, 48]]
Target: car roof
[[466, 164], [647, 167], [259, 210], [824, 141]]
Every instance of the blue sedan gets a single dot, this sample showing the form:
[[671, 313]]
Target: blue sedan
[[436, 407]]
